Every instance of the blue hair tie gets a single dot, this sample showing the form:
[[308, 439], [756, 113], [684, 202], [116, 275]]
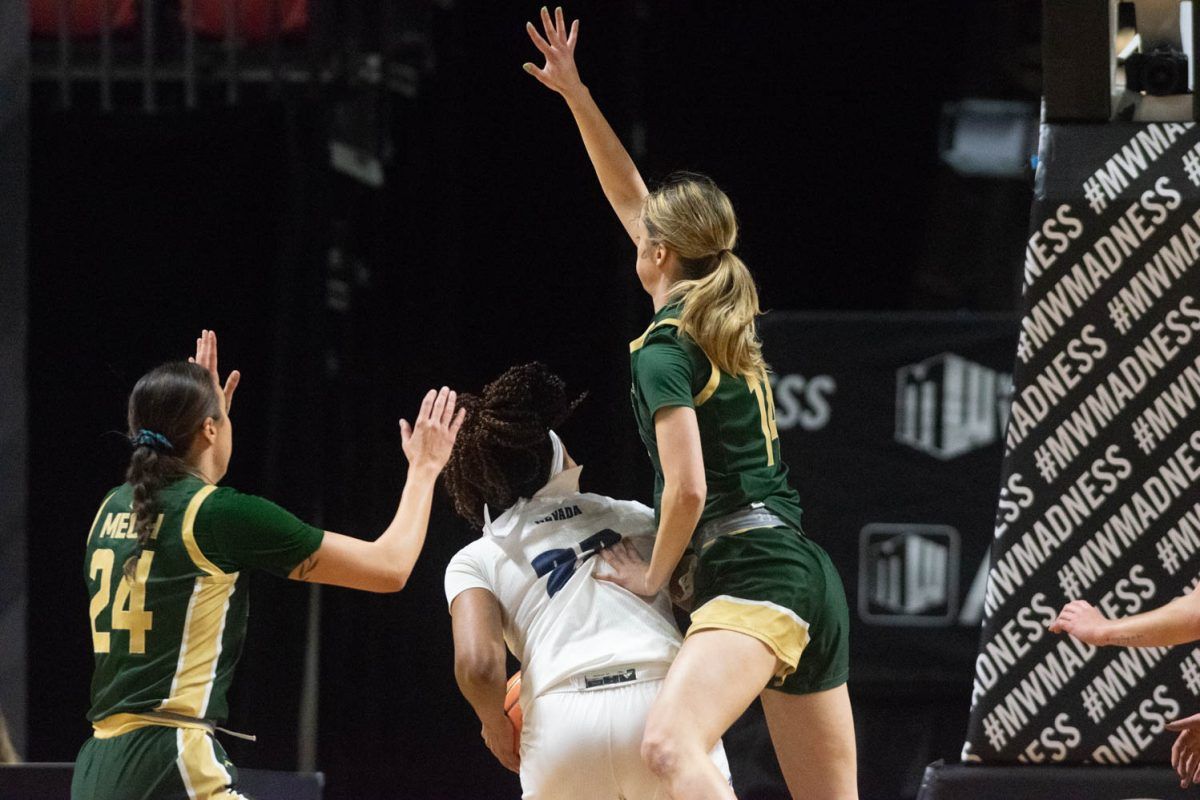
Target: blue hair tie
[[155, 441]]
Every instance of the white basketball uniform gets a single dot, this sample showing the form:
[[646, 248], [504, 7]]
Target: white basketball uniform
[[593, 655]]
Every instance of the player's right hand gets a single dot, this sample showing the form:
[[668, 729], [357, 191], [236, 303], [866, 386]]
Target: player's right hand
[[500, 737], [558, 47], [428, 443], [1081, 619]]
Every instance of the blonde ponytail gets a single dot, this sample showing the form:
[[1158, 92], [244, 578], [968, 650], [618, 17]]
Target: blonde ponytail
[[693, 218]]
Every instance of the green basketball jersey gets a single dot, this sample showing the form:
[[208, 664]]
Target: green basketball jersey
[[169, 640], [736, 416]]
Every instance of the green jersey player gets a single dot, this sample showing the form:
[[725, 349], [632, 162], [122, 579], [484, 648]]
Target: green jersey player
[[770, 614], [167, 566]]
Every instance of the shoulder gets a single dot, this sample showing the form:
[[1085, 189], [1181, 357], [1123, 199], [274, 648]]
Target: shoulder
[[478, 553], [666, 343], [623, 506], [225, 512], [634, 518], [117, 494], [225, 500]]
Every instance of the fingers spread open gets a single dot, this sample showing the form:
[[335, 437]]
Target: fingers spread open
[[560, 26], [548, 25], [574, 37], [538, 42], [539, 74]]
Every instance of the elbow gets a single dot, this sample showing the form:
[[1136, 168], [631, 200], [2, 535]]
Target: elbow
[[691, 494], [477, 669], [398, 580], [391, 581]]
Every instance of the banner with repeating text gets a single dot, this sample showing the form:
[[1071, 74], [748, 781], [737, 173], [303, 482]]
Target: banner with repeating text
[[1100, 493]]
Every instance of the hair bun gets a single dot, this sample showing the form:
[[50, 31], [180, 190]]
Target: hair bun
[[503, 451], [530, 388]]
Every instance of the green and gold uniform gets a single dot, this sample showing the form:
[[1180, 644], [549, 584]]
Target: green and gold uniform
[[772, 583], [167, 642]]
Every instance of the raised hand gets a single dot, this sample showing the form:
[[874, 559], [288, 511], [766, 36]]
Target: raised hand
[[1081, 620], [558, 47], [206, 356], [428, 444]]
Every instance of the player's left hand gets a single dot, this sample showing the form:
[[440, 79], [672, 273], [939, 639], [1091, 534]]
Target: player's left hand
[[627, 570], [1185, 753], [1083, 621], [206, 356]]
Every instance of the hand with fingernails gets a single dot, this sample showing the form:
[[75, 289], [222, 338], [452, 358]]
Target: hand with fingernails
[[558, 47], [1185, 753], [206, 356], [427, 443], [1081, 619], [627, 569]]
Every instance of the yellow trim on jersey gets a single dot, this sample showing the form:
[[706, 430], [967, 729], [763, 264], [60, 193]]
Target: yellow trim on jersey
[[118, 724], [100, 511], [710, 388], [714, 379], [640, 342], [203, 627], [200, 648], [779, 628], [203, 774], [189, 532]]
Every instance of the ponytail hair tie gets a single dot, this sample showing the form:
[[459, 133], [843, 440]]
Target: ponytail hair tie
[[155, 441]]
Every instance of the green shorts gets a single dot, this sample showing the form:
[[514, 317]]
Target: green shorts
[[780, 587], [154, 763]]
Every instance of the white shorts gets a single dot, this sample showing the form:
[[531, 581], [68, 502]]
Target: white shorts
[[586, 745]]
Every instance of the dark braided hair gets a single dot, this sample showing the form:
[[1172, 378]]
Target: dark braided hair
[[172, 402], [503, 451]]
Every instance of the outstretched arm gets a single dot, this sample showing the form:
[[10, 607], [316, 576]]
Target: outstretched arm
[[479, 669], [1177, 622], [619, 176], [385, 564]]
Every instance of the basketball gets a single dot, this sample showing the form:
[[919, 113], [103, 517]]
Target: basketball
[[512, 707]]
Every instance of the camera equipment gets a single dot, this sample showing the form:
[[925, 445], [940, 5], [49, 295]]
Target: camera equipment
[[1162, 71]]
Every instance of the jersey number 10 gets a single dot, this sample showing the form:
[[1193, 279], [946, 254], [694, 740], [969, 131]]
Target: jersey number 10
[[129, 610]]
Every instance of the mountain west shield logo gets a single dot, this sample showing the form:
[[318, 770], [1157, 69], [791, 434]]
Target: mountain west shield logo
[[908, 575], [947, 406]]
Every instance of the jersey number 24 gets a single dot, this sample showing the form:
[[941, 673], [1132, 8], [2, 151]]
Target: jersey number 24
[[129, 609]]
